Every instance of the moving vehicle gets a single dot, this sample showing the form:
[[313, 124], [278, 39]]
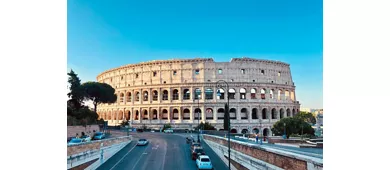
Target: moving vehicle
[[86, 138], [142, 142], [74, 141], [196, 152], [99, 135], [189, 140], [194, 144], [152, 131], [203, 162], [168, 131]]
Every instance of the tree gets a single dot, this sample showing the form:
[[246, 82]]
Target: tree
[[226, 118], [293, 126], [205, 126], [166, 126], [99, 93], [76, 93], [307, 117]]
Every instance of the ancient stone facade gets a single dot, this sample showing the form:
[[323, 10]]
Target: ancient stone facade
[[155, 93]]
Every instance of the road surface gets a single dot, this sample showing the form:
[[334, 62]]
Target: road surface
[[164, 152]]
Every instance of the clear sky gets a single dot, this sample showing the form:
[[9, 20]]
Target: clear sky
[[104, 34]]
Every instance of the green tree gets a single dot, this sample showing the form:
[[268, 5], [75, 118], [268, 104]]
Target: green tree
[[307, 117], [99, 93], [205, 126], [76, 93], [166, 126], [294, 125]]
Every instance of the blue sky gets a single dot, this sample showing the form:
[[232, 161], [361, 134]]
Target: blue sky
[[104, 34]]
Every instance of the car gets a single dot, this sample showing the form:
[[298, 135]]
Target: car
[[99, 135], [196, 152], [168, 131], [194, 144], [204, 162], [86, 138], [152, 131], [188, 140], [142, 142], [140, 130], [75, 141]]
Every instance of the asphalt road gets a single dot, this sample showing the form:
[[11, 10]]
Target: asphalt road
[[164, 152]]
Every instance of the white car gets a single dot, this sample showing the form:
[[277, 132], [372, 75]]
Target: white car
[[152, 131], [86, 138], [168, 131], [204, 162], [142, 142]]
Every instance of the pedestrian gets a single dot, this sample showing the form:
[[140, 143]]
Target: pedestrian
[[257, 138]]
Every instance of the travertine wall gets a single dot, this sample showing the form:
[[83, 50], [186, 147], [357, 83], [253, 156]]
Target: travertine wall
[[73, 130], [84, 147], [159, 92]]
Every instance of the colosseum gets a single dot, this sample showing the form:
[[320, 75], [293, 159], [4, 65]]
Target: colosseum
[[161, 92]]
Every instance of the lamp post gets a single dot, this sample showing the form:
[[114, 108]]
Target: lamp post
[[196, 94], [220, 84], [260, 131]]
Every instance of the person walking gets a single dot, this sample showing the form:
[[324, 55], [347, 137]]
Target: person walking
[[257, 138]]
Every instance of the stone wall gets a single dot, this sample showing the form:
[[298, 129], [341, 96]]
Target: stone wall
[[73, 130], [276, 159], [84, 147]]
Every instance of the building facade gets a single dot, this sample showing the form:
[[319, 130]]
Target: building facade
[[159, 92]]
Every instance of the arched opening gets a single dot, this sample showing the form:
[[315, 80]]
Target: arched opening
[[136, 116], [186, 94], [175, 94], [114, 115], [127, 115], [186, 114], [232, 93], [262, 94], [244, 131], [292, 96], [279, 94], [209, 93], [145, 115], [137, 96], [264, 113], [244, 113], [281, 112], [198, 94], [232, 113], [271, 94], [220, 113], [255, 131], [175, 114], [254, 114], [273, 113], [165, 114], [221, 94], [233, 130], [146, 95], [209, 114], [293, 112], [121, 98], [197, 113], [242, 93], [155, 114], [165, 95], [155, 95], [288, 113], [253, 93], [287, 95], [128, 97], [265, 132]]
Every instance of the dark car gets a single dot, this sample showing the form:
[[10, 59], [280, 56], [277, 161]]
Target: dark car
[[196, 152], [194, 144], [140, 130], [189, 140], [99, 135]]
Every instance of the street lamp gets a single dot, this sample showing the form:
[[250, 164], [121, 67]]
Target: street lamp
[[198, 94], [219, 85]]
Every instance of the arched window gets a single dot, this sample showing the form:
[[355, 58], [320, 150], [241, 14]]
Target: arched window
[[264, 113], [274, 116], [233, 113], [165, 95], [165, 114], [287, 95], [175, 94], [155, 95], [145, 115], [255, 131], [242, 93], [220, 94], [279, 94], [127, 115], [292, 96], [254, 114], [244, 131], [262, 93], [155, 114], [186, 114], [146, 95], [175, 114], [122, 96], [265, 132], [136, 116], [293, 112], [253, 93], [109, 115], [197, 113], [198, 94], [220, 113], [209, 113], [137, 96], [232, 93], [288, 113], [233, 131], [209, 94], [186, 94], [128, 97], [244, 113], [271, 94], [281, 112]]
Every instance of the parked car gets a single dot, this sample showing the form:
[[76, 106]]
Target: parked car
[[99, 135], [194, 144], [197, 151], [142, 142], [152, 131], [140, 130], [168, 131], [189, 140], [74, 141], [86, 138], [204, 162]]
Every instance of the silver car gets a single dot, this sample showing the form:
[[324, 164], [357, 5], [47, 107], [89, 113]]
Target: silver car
[[142, 142]]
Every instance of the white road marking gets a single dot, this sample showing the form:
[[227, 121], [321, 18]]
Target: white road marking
[[138, 159], [123, 157]]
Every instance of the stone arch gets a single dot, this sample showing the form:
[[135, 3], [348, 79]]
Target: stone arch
[[175, 114], [121, 97], [209, 93], [186, 114], [264, 113], [109, 115], [145, 95], [286, 95], [231, 93], [155, 114], [186, 94], [197, 112], [281, 113], [128, 97], [253, 93], [288, 112], [244, 113], [137, 96], [220, 113], [266, 132], [154, 95], [198, 94], [120, 115], [165, 95], [165, 114], [127, 115], [221, 94], [233, 130], [254, 114], [136, 115], [279, 94], [292, 95], [175, 94], [255, 131], [273, 114], [145, 115], [244, 131], [233, 113], [242, 93], [209, 113], [271, 93], [293, 112], [262, 94]]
